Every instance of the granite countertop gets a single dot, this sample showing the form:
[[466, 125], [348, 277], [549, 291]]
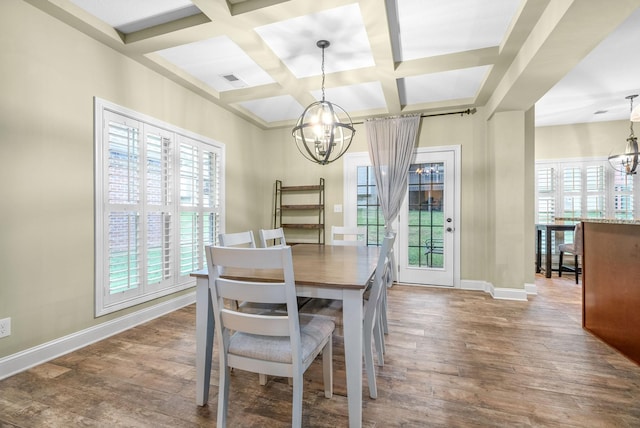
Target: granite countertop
[[600, 220]]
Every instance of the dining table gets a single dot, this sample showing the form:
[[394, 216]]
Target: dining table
[[321, 271], [548, 230]]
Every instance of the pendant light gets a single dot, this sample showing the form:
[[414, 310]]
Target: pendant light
[[628, 161], [320, 133]]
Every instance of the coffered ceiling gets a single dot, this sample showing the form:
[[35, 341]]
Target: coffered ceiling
[[259, 59]]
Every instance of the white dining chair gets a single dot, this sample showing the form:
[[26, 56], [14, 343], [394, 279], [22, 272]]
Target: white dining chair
[[238, 239], [344, 235], [389, 279], [372, 328], [373, 335], [275, 235], [281, 345]]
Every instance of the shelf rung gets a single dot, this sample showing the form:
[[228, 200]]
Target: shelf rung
[[303, 226], [300, 188], [302, 207]]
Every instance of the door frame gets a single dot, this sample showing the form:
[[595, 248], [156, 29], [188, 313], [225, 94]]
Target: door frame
[[349, 199], [454, 152]]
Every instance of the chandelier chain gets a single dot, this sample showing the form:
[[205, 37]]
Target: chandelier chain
[[322, 68], [631, 97]]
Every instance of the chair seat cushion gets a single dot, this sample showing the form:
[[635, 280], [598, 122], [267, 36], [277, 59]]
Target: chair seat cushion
[[566, 248], [313, 331]]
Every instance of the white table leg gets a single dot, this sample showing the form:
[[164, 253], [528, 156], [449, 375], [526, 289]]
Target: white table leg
[[352, 322], [204, 340]]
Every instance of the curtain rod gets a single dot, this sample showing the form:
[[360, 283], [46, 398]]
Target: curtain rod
[[467, 111]]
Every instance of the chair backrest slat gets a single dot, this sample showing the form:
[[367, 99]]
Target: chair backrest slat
[[267, 235], [264, 292], [266, 325], [342, 235], [244, 239]]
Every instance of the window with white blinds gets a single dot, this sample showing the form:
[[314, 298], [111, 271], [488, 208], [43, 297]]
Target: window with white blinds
[[158, 204], [546, 201], [583, 188]]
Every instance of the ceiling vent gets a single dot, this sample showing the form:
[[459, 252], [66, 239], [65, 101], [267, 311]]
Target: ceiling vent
[[234, 81]]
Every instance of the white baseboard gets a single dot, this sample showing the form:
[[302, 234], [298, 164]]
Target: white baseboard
[[28, 358], [468, 284], [499, 293], [531, 289], [519, 294]]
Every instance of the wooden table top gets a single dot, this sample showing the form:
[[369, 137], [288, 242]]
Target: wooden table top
[[332, 266]]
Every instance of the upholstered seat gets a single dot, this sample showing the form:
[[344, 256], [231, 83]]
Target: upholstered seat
[[313, 330], [574, 248]]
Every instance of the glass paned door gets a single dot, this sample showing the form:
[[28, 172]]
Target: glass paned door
[[426, 226], [425, 219]]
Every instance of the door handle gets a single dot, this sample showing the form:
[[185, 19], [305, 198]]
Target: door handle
[[449, 229]]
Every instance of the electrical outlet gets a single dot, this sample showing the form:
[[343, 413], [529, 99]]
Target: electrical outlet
[[5, 327]]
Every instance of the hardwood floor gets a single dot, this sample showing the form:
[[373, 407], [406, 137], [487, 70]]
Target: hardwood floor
[[454, 359]]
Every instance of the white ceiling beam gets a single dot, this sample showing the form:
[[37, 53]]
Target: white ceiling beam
[[566, 32]]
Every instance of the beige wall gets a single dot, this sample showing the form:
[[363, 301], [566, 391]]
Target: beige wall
[[50, 74], [585, 140]]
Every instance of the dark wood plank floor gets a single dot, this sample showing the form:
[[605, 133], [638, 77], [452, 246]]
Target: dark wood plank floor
[[454, 359]]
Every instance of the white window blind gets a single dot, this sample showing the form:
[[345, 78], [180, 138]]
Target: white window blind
[[596, 191], [623, 196], [586, 188], [157, 205], [545, 182], [572, 191]]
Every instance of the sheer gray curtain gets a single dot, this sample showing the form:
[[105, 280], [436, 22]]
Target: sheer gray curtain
[[391, 142]]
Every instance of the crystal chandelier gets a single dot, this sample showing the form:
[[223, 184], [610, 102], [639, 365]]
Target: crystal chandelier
[[320, 135]]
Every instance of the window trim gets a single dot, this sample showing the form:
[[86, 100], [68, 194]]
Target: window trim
[[350, 198], [179, 282]]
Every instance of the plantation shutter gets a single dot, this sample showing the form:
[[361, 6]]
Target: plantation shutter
[[596, 191], [122, 204], [546, 194], [211, 198], [159, 208], [572, 192], [622, 196], [199, 203]]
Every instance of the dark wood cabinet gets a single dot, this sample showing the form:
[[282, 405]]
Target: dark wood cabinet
[[611, 285]]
